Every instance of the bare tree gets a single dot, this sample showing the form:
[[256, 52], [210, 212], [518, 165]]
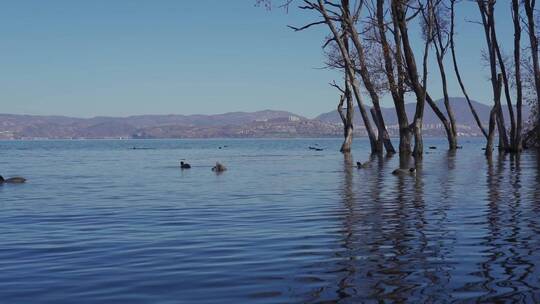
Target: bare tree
[[348, 118], [441, 41], [533, 40], [486, 8], [330, 17], [349, 20], [399, 11], [349, 67], [493, 116], [394, 75], [456, 70], [517, 143]]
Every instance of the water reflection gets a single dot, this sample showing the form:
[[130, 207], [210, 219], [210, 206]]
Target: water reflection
[[281, 227], [412, 244]]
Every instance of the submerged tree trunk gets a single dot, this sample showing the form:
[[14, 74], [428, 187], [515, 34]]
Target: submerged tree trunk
[[396, 88], [442, 118], [488, 23], [491, 134], [347, 119], [517, 144], [383, 135], [440, 51], [458, 75], [502, 66], [350, 74], [451, 132], [529, 11], [493, 116], [399, 11]]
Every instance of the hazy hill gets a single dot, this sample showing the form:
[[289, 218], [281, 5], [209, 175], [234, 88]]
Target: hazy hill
[[235, 124], [459, 105], [32, 126]]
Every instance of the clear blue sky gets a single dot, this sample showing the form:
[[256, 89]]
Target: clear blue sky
[[119, 58]]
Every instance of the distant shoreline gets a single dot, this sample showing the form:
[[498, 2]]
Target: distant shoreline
[[213, 138]]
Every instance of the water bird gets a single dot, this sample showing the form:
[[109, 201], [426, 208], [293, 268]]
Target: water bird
[[432, 147], [359, 165], [315, 148], [184, 165], [219, 167], [410, 171], [141, 148], [12, 180]]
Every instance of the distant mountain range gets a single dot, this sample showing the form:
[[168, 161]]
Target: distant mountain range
[[459, 106], [266, 123]]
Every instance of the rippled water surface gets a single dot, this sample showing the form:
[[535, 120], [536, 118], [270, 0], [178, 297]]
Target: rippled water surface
[[100, 222]]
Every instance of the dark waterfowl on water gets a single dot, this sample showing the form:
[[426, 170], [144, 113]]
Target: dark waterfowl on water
[[359, 165], [184, 165], [315, 148], [432, 147], [12, 180], [411, 171], [141, 148], [219, 167]]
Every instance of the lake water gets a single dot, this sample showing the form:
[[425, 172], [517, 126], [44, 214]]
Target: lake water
[[99, 222]]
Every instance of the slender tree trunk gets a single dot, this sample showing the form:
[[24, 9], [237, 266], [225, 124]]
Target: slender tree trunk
[[491, 134], [506, 84], [517, 146], [374, 116], [493, 116], [381, 127], [350, 74], [399, 11], [451, 133], [458, 75], [529, 11], [440, 51], [396, 89], [347, 120], [442, 118], [489, 28]]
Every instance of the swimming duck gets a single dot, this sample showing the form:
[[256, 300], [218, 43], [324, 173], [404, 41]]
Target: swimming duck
[[12, 180], [219, 167], [411, 171], [359, 165], [184, 165]]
